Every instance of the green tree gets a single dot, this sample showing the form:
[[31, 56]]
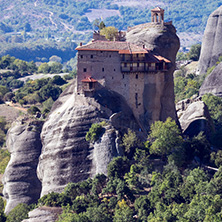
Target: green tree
[[44, 68], [201, 147], [55, 200], [164, 137], [123, 213], [142, 207], [19, 213], [69, 216], [58, 80], [130, 141], [216, 157], [214, 104], [95, 132], [109, 32], [55, 67], [48, 91], [98, 214], [118, 167], [194, 52], [98, 183], [131, 177], [33, 110]]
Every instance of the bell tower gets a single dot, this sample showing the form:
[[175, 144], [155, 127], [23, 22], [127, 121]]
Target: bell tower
[[157, 15]]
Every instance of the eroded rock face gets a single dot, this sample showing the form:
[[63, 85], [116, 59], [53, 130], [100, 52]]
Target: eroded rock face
[[44, 214], [66, 155], [213, 82], [211, 45], [20, 181], [105, 149], [164, 41], [194, 117]]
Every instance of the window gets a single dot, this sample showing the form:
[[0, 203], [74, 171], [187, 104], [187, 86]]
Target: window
[[114, 70], [84, 69], [123, 76], [125, 64], [112, 77], [136, 99], [110, 56], [138, 65], [91, 56], [81, 56], [136, 76], [103, 69]]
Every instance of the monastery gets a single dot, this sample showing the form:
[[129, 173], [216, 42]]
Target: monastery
[[125, 68]]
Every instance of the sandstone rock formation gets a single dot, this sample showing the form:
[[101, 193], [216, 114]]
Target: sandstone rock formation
[[194, 117], [66, 155], [164, 41], [20, 181], [213, 82], [211, 45], [44, 214]]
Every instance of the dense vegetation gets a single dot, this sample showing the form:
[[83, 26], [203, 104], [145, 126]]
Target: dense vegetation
[[163, 179]]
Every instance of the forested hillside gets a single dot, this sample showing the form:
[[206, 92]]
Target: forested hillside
[[65, 21]]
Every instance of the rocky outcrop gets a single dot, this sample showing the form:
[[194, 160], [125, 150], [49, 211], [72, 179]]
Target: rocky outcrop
[[211, 45], [66, 155], [44, 214], [105, 149], [163, 41], [20, 181], [213, 82], [194, 117]]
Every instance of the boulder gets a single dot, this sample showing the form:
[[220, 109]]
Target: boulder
[[21, 184], [194, 117], [162, 39], [44, 214], [66, 155], [211, 48], [213, 82]]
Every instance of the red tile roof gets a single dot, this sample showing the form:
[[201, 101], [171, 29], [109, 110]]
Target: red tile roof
[[161, 58], [89, 79], [121, 47]]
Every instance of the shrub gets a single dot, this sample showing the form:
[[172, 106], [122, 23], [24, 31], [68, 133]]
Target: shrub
[[33, 110], [19, 213], [95, 132], [55, 200]]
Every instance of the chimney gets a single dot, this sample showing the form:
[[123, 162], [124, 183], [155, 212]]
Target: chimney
[[80, 43]]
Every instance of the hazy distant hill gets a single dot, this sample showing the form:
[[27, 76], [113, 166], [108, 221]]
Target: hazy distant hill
[[67, 20]]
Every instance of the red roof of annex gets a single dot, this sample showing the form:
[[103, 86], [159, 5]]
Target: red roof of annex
[[89, 79]]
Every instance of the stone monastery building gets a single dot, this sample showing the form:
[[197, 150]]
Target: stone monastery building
[[125, 68]]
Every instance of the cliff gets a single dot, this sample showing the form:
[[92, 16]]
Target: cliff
[[211, 45], [213, 82], [163, 41], [65, 154], [20, 181]]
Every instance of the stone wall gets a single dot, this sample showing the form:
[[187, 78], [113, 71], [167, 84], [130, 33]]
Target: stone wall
[[142, 90]]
